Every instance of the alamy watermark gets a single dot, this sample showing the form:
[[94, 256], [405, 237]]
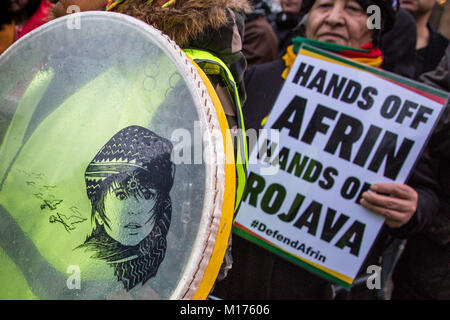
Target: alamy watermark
[[374, 280], [73, 21], [194, 147], [74, 280], [374, 19]]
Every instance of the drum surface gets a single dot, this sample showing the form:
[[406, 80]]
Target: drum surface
[[112, 175]]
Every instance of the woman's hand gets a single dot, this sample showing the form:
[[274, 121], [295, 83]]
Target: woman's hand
[[396, 202]]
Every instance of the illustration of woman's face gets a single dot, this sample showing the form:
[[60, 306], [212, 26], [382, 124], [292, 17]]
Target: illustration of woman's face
[[131, 214]]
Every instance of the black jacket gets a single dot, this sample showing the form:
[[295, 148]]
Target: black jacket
[[284, 27], [428, 58], [399, 45]]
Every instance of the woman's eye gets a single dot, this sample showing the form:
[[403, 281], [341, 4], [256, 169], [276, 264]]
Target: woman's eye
[[148, 194], [354, 7], [323, 3], [121, 195]]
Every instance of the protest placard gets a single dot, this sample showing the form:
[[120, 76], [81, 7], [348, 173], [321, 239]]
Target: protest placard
[[342, 127]]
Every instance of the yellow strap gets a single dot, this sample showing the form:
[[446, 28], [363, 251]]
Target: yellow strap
[[199, 55], [213, 68]]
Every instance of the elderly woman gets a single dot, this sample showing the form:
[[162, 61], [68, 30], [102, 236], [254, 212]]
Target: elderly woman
[[339, 26]]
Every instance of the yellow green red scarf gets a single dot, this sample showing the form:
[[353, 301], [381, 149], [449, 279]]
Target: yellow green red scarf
[[367, 54], [111, 4]]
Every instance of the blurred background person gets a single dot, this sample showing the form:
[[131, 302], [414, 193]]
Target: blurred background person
[[430, 44], [18, 17], [399, 45], [62, 6], [284, 22], [260, 42]]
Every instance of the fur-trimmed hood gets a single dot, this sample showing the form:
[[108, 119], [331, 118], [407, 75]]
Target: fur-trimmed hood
[[184, 20]]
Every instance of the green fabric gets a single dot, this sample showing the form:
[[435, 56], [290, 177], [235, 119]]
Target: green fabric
[[298, 41]]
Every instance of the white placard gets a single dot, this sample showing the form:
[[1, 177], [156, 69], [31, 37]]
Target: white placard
[[342, 127]]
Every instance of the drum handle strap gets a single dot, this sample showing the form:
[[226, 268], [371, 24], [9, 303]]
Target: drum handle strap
[[212, 65]]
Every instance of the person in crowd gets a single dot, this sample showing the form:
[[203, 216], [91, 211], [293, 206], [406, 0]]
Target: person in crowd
[[399, 45], [284, 22], [339, 26], [423, 271], [430, 44], [62, 7], [260, 43], [18, 17]]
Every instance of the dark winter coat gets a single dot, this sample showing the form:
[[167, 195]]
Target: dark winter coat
[[427, 59], [260, 42], [284, 27], [399, 45], [423, 271]]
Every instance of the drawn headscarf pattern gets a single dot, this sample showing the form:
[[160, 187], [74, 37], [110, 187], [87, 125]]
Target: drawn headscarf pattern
[[134, 155]]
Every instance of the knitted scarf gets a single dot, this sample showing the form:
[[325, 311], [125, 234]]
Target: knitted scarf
[[367, 54], [111, 4]]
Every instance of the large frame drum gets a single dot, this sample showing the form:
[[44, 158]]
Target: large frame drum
[[113, 179]]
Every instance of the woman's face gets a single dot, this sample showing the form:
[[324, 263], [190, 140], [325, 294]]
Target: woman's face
[[131, 215], [338, 21], [418, 7], [15, 6], [291, 6], [61, 8]]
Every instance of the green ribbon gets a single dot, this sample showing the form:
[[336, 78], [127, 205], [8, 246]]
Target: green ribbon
[[298, 41]]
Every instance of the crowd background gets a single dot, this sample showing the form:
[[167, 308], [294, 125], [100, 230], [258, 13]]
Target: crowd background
[[440, 17], [416, 47]]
